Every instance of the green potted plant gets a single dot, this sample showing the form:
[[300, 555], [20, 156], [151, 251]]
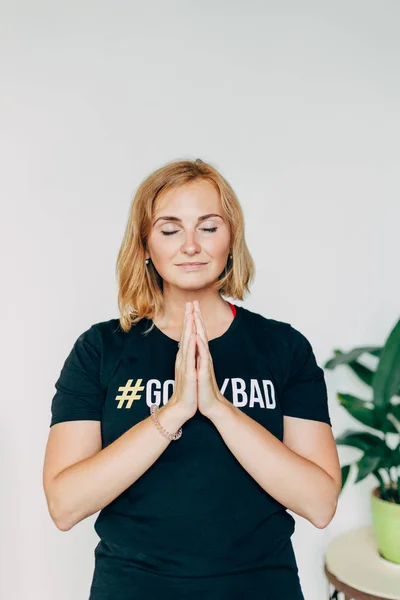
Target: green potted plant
[[381, 415]]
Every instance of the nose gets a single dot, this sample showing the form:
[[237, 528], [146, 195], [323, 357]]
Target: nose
[[190, 245]]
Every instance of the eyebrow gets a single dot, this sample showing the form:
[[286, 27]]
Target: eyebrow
[[177, 220]]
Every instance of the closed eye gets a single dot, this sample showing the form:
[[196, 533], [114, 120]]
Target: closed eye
[[210, 230]]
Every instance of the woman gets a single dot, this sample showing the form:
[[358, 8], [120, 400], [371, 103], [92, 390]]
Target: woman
[[192, 424]]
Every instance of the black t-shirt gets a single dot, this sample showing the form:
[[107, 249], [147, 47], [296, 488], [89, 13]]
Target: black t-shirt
[[195, 524]]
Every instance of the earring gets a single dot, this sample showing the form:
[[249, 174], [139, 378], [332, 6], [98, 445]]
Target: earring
[[147, 261]]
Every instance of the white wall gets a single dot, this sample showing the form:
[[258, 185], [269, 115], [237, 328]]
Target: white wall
[[297, 103]]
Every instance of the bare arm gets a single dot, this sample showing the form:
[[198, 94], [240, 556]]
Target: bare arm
[[309, 489], [89, 485]]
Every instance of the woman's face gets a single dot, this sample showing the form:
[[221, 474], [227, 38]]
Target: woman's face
[[186, 236]]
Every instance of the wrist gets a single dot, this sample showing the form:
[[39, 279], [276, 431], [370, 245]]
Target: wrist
[[173, 416], [217, 412]]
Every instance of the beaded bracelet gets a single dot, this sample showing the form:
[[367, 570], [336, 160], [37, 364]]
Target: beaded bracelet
[[171, 436]]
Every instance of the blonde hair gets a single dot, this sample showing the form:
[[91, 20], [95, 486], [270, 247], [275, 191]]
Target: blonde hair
[[139, 285]]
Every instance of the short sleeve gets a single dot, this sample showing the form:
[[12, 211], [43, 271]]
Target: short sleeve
[[79, 394], [304, 393]]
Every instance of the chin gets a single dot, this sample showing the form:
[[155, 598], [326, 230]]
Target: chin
[[194, 283]]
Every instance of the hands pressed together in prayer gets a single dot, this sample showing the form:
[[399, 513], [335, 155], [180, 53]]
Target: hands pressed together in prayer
[[195, 385]]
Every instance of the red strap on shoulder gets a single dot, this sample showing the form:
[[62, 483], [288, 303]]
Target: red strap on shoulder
[[233, 308]]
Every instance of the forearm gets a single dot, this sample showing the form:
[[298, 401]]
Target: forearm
[[91, 484], [294, 481]]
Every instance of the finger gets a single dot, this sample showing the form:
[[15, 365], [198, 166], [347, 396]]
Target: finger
[[197, 309], [186, 330], [190, 348], [200, 326], [191, 331], [194, 332], [203, 350], [191, 354]]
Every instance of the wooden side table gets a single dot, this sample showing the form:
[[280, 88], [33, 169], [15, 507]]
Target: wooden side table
[[355, 569]]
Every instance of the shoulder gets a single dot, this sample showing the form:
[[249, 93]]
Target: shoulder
[[105, 343], [110, 329], [107, 339], [108, 333], [283, 336], [275, 328], [100, 334]]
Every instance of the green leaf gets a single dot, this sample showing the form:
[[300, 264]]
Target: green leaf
[[390, 427], [392, 458], [359, 439], [345, 473], [382, 486], [386, 381], [372, 417], [367, 465], [394, 410], [376, 352], [343, 358], [364, 373], [358, 409]]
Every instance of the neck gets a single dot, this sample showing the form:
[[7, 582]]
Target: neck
[[214, 308]]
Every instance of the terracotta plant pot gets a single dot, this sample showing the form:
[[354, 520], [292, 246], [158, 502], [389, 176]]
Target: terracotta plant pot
[[386, 523]]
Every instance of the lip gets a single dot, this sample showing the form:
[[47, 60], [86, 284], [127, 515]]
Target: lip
[[191, 266]]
